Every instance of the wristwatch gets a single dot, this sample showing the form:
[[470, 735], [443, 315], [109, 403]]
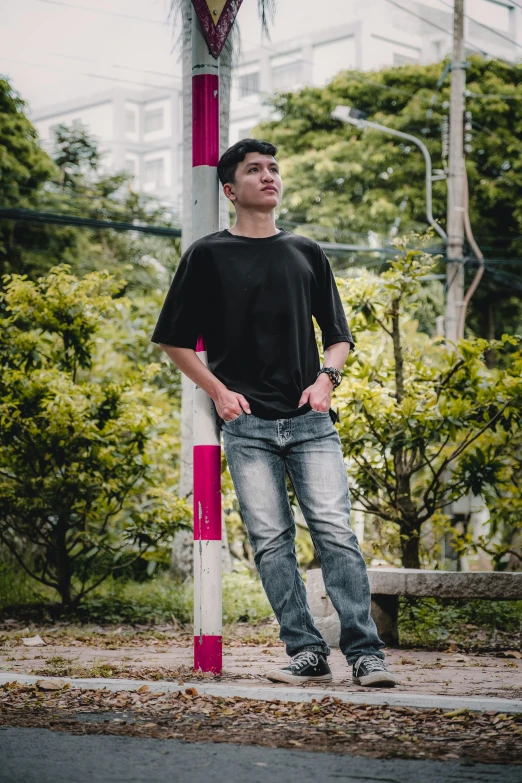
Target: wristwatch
[[333, 373]]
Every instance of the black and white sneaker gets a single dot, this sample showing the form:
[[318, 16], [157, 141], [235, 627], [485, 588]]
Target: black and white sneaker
[[305, 666], [371, 670]]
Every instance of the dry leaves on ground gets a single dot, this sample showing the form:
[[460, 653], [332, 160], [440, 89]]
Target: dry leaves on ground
[[106, 670], [111, 637], [326, 725]]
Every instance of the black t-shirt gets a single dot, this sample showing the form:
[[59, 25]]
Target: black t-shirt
[[253, 300]]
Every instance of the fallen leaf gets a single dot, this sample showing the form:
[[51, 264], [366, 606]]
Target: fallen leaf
[[33, 641], [452, 647], [460, 711], [51, 685], [143, 689], [191, 691], [512, 654]]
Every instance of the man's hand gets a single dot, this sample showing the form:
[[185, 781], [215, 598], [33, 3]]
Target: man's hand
[[319, 394], [230, 405]]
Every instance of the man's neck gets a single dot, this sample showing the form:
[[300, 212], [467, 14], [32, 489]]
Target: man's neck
[[255, 225]]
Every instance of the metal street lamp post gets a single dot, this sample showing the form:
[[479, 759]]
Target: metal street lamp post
[[344, 114]]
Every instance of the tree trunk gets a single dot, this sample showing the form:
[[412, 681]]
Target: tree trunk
[[410, 540], [397, 351], [490, 356], [63, 566], [409, 532]]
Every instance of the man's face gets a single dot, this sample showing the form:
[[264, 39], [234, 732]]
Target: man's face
[[257, 183]]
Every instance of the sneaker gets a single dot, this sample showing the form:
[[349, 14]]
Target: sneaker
[[371, 670], [305, 666]]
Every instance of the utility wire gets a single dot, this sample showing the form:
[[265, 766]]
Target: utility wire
[[143, 85], [493, 95], [443, 29], [104, 12], [35, 216], [485, 26], [49, 218], [115, 65]]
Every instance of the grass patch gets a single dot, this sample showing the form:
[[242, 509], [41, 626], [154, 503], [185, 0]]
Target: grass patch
[[16, 587], [434, 623], [119, 601], [162, 599]]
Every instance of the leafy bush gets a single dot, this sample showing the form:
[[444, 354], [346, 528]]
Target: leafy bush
[[431, 622], [422, 422], [119, 601], [86, 462]]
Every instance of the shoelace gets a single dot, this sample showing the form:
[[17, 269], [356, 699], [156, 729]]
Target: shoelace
[[372, 663], [304, 658]]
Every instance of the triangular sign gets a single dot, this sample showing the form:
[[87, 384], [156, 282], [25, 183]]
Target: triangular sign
[[216, 18]]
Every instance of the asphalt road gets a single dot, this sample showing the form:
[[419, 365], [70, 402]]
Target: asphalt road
[[44, 756]]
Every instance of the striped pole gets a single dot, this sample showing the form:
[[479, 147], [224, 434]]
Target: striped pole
[[207, 442]]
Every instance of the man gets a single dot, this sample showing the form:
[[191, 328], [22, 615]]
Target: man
[[252, 291]]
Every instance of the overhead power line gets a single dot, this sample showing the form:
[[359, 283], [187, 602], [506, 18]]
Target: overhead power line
[[50, 218], [486, 27], [448, 32], [143, 85], [104, 12], [116, 65]]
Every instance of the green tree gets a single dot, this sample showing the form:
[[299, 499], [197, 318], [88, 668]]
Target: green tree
[[24, 169], [86, 444], [71, 182], [422, 423], [75, 152], [341, 182]]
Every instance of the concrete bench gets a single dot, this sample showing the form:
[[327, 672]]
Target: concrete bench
[[387, 585]]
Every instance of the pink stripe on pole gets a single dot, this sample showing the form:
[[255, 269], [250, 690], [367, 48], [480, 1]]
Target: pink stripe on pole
[[205, 119], [208, 653], [200, 345], [207, 493]]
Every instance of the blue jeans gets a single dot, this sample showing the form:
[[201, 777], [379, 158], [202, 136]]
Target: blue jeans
[[260, 453]]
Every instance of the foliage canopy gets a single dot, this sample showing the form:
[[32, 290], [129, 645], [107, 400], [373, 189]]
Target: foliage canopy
[[86, 464]]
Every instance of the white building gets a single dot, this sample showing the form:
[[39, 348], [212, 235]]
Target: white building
[[142, 131]]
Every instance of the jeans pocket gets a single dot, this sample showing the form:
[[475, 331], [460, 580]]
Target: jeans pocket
[[229, 421]]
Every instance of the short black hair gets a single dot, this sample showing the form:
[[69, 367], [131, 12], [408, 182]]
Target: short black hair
[[236, 153]]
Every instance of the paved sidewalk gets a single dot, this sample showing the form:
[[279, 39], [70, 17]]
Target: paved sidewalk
[[281, 692], [423, 674]]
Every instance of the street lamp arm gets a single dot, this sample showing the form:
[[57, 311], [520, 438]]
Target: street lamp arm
[[343, 113]]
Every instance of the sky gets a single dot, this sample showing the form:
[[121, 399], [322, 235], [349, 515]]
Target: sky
[[56, 50]]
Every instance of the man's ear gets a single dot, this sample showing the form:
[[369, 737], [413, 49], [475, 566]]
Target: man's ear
[[228, 190]]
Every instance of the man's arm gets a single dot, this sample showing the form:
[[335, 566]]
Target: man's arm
[[228, 404], [319, 394], [336, 355]]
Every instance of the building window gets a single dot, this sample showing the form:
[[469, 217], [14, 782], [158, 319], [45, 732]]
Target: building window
[[244, 133], [153, 121], [248, 84], [402, 59], [130, 121], [154, 172], [287, 76], [130, 166]]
